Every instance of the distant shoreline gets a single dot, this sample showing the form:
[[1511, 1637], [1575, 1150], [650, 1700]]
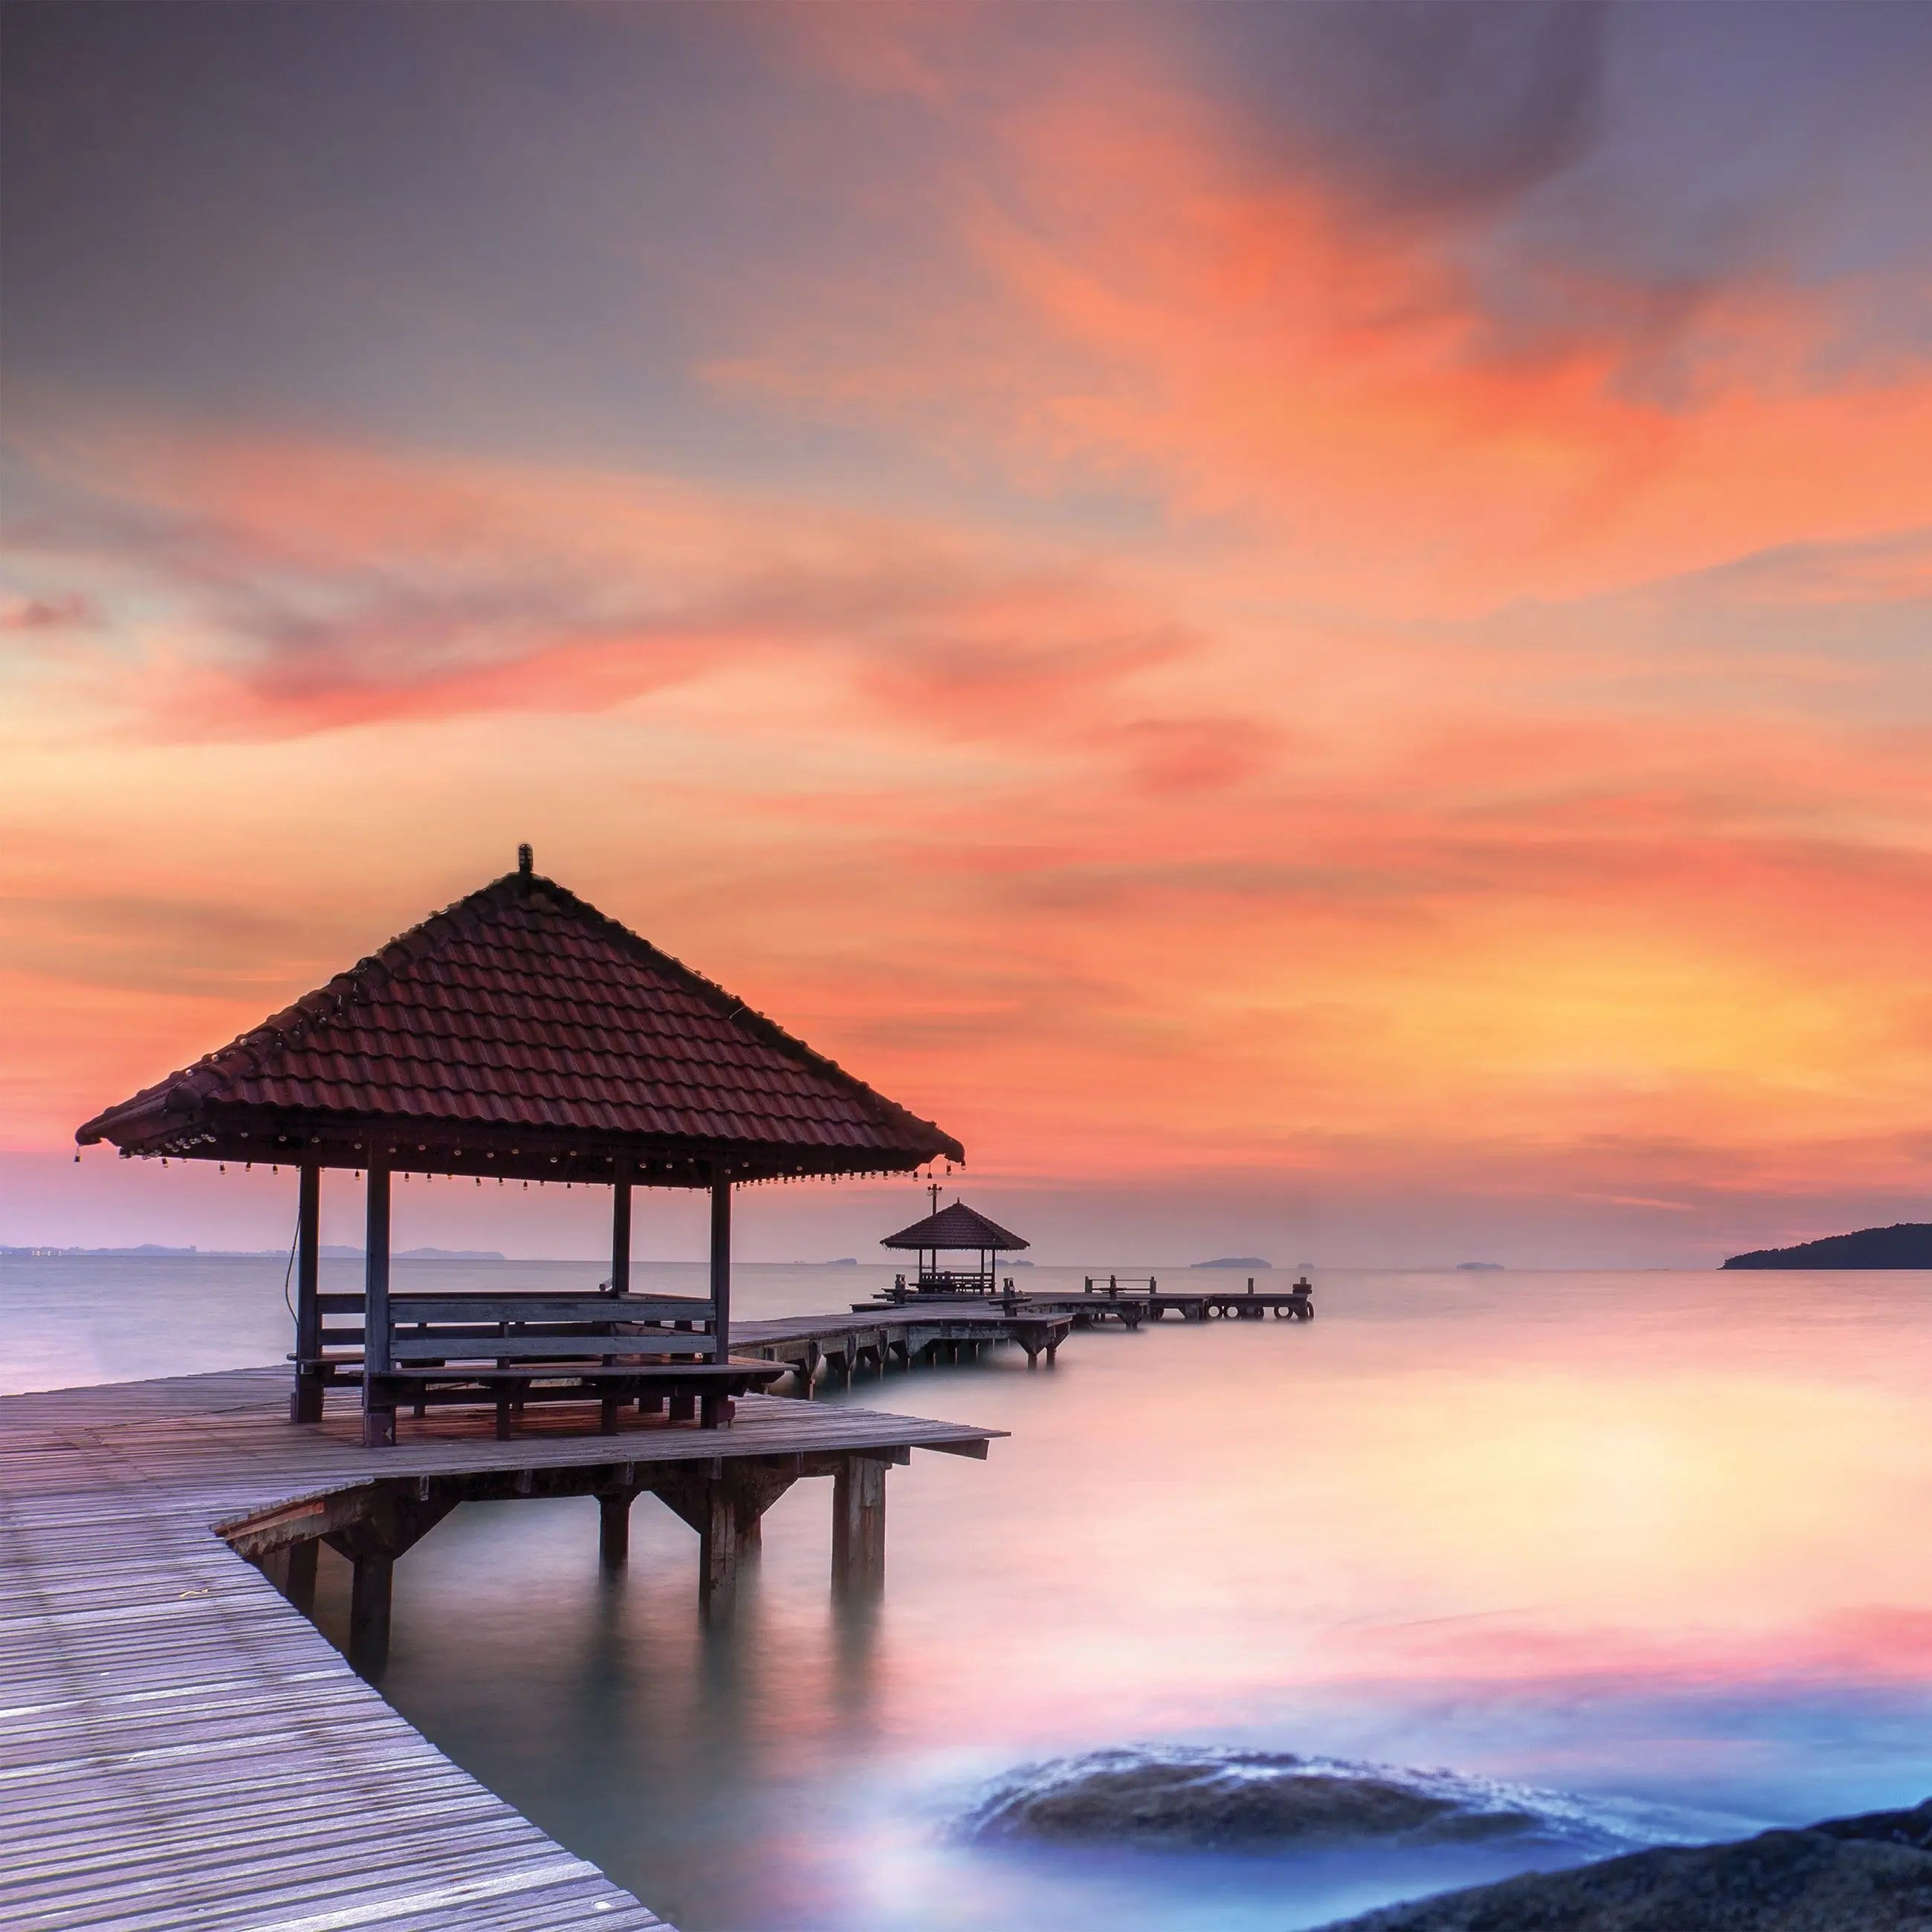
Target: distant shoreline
[[1905, 1244]]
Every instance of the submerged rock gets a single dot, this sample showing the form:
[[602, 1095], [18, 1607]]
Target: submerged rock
[[1175, 1800], [1872, 1874]]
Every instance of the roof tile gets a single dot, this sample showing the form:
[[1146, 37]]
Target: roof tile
[[524, 1005]]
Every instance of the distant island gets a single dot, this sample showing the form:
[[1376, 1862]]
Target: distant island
[[1905, 1244], [330, 1253], [1234, 1261], [1484, 1267]]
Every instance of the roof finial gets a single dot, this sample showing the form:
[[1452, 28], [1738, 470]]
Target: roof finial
[[526, 860]]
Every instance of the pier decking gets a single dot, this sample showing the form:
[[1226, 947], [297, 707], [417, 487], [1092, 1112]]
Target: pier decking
[[903, 1332], [1132, 1306], [1128, 1304], [182, 1747]]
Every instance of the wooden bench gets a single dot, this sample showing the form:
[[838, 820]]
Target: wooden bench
[[508, 1350]]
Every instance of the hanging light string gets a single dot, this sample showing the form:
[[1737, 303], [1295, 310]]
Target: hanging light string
[[288, 1273]]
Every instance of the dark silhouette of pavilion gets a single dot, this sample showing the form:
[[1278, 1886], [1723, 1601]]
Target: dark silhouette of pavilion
[[953, 1230]]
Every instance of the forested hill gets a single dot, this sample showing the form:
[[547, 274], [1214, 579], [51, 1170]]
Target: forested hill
[[1906, 1245]]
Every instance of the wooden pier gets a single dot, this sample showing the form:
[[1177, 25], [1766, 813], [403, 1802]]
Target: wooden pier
[[1126, 1302], [877, 1337], [182, 1747], [1130, 1305]]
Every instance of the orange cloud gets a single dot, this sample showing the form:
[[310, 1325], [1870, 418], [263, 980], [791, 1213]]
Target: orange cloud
[[1277, 710], [1154, 314]]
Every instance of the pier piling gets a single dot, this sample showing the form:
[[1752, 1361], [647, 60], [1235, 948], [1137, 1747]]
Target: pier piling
[[370, 1591], [613, 1528], [859, 1527]]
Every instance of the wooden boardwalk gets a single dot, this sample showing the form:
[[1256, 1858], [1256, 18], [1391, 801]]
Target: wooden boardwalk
[[182, 1750], [1128, 1305], [877, 1335]]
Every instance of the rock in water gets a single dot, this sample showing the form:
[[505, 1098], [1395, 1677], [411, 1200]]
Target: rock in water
[[1182, 1800], [1867, 1874]]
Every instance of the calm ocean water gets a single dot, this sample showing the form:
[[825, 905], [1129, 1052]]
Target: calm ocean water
[[1657, 1540]]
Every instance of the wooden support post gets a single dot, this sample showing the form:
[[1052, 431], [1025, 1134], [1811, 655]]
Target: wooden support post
[[724, 1510], [300, 1588], [395, 1519], [683, 1408], [378, 1410], [620, 1228], [613, 1528], [720, 1264], [718, 1548], [715, 1410], [859, 1526], [650, 1405], [369, 1599], [305, 1404]]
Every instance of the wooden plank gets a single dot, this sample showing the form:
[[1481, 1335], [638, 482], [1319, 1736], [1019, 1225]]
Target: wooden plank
[[179, 1746], [527, 1347]]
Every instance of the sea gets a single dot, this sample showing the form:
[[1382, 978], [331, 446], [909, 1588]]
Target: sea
[[1647, 1553]]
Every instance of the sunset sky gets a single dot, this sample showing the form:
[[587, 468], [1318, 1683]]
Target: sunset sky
[[1308, 625]]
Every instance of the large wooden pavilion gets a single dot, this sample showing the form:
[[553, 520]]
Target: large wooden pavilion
[[522, 1035]]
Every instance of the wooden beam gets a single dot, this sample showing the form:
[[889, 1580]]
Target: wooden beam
[[379, 1423], [720, 1264], [305, 1405], [300, 1522]]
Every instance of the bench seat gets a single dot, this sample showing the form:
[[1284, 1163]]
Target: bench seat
[[702, 1392]]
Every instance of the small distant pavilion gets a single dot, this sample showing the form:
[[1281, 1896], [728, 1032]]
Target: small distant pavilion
[[520, 1035], [954, 1230]]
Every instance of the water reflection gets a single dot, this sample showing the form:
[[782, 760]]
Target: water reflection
[[1648, 1538]]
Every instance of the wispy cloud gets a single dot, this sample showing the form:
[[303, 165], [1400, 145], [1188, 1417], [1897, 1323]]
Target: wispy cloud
[[1328, 596]]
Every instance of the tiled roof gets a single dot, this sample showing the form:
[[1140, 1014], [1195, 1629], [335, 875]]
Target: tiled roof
[[523, 1007], [959, 1226]]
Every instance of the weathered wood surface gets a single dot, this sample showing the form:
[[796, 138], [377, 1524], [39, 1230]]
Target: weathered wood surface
[[877, 1334], [407, 1346], [1128, 1305], [550, 1307], [180, 1747], [986, 1318], [1192, 1303]]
